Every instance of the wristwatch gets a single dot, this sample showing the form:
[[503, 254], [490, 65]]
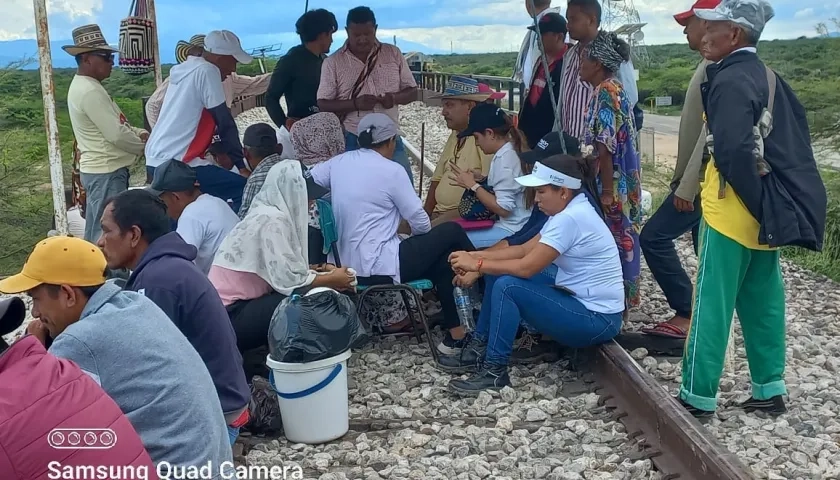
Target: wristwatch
[[475, 187]]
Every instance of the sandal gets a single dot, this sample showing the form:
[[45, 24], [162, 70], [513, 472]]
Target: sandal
[[667, 330]]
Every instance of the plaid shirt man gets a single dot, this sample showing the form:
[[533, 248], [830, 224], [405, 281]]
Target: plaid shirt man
[[256, 181]]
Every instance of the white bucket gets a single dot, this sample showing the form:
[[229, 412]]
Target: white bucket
[[647, 202], [313, 398]]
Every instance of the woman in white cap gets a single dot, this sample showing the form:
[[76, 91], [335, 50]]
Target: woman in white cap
[[582, 306], [371, 194]]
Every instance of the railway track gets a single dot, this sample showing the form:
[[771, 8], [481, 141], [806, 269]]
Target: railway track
[[677, 444]]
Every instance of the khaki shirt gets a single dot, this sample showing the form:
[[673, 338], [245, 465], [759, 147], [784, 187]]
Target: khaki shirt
[[468, 157]]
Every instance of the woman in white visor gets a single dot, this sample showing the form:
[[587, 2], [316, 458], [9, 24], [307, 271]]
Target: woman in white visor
[[583, 305]]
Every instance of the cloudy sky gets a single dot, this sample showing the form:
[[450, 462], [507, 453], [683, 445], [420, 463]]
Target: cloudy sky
[[430, 25]]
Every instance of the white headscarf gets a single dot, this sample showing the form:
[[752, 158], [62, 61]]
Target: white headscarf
[[271, 241]]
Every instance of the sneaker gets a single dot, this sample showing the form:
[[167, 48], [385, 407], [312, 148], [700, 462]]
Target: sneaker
[[530, 350], [694, 411], [450, 346], [468, 361], [772, 406], [490, 377]]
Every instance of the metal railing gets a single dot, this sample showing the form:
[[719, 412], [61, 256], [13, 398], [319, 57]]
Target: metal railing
[[436, 82]]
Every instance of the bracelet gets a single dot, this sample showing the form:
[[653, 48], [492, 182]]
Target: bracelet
[[480, 263], [475, 187]]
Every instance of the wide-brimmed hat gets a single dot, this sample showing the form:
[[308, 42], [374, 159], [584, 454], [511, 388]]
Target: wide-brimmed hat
[[182, 48], [466, 88], [87, 39]]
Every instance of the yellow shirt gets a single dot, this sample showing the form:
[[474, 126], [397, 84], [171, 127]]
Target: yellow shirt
[[468, 157], [728, 215], [105, 139]]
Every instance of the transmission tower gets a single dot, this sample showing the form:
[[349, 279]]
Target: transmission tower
[[259, 53], [621, 17]]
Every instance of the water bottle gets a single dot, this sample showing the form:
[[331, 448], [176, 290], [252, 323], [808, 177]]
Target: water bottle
[[464, 305]]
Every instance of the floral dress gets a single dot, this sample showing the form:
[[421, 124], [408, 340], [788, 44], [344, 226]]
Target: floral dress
[[609, 121]]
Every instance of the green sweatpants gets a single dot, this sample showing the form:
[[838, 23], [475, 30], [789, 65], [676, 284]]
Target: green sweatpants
[[731, 277]]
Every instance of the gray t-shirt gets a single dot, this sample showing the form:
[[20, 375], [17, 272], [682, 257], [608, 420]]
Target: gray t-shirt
[[142, 361]]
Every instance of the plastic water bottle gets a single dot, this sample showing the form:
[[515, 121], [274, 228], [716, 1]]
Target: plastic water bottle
[[464, 305]]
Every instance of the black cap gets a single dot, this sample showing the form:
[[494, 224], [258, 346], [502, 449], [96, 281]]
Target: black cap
[[550, 145], [482, 117], [173, 176], [260, 135], [552, 23], [313, 190]]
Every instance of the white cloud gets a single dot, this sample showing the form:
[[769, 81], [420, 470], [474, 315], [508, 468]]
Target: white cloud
[[18, 18], [804, 13], [465, 38]]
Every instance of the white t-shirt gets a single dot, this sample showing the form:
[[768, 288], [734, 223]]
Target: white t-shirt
[[510, 195], [204, 224], [588, 263], [184, 129], [75, 222]]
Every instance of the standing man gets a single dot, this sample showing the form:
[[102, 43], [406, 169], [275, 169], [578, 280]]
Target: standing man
[[366, 76], [459, 97], [762, 191], [680, 212], [107, 143], [298, 73], [536, 115], [194, 109], [529, 53], [584, 20]]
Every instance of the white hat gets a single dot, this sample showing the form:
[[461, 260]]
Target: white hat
[[224, 42], [542, 175]]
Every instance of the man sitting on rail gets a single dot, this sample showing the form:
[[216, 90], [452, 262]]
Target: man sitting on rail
[[580, 306], [203, 220], [194, 109], [459, 97], [366, 76], [129, 347], [136, 236]]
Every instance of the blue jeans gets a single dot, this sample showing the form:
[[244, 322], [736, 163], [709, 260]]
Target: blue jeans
[[487, 237], [351, 142], [218, 182], [233, 434], [509, 301]]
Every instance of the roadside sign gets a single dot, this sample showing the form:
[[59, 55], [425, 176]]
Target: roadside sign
[[663, 101]]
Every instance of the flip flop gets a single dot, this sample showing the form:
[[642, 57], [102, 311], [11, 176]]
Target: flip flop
[[667, 330]]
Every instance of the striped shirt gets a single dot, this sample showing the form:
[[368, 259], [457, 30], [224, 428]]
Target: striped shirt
[[390, 75], [256, 181], [575, 94]]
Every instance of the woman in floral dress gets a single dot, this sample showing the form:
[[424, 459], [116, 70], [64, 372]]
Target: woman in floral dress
[[612, 135]]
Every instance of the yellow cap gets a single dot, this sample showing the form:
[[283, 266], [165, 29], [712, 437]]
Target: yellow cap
[[59, 261]]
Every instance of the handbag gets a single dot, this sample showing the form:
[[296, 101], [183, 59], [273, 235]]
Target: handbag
[[471, 208], [137, 32]]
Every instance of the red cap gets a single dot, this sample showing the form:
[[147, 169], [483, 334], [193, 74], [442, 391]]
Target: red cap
[[682, 18], [483, 88]]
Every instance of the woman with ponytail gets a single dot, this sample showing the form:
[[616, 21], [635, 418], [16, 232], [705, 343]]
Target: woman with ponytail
[[581, 306], [496, 135], [612, 134]]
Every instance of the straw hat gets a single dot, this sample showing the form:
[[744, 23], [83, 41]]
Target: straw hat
[[182, 48], [465, 88], [87, 39]]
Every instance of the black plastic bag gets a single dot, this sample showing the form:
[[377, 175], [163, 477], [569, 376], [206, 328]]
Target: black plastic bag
[[314, 327]]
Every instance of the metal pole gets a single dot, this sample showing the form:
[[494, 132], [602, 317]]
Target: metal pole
[[548, 81], [150, 11], [50, 123], [422, 157]]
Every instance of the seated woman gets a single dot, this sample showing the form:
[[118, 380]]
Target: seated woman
[[317, 138], [612, 135], [495, 135], [264, 259], [580, 307], [370, 195]]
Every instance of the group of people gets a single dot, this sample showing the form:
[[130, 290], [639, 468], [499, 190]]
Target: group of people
[[546, 223]]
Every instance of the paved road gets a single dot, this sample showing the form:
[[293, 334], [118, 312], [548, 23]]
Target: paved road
[[670, 125]]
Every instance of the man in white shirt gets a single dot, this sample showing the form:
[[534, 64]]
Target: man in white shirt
[[194, 109], [203, 220], [107, 144]]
